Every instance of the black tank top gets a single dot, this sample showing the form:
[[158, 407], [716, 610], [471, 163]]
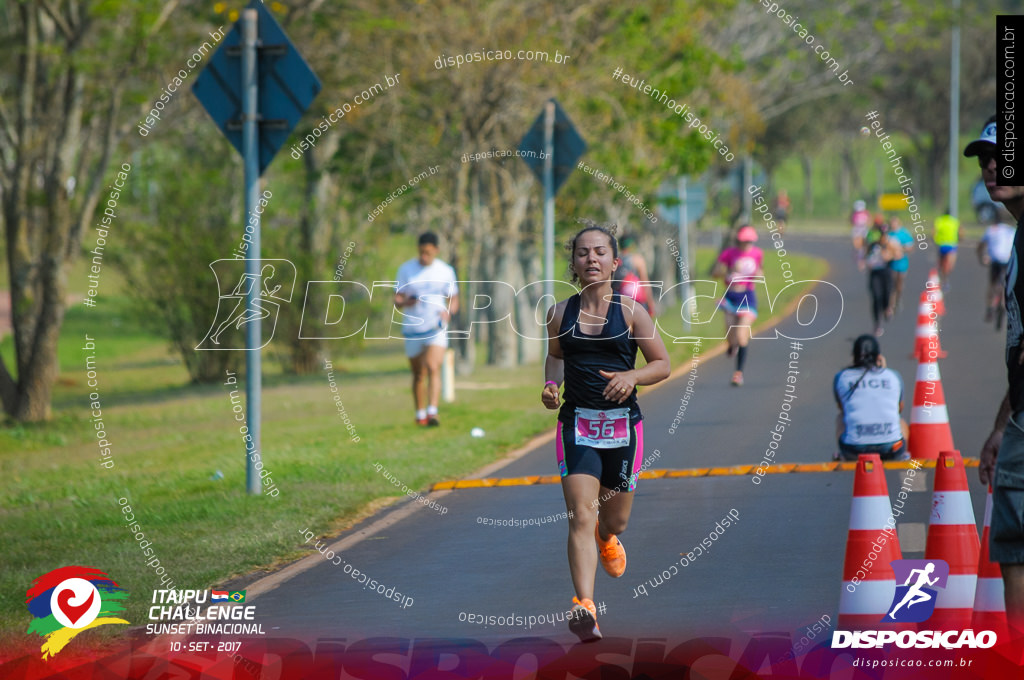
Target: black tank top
[[584, 355]]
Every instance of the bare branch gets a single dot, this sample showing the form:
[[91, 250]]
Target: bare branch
[[58, 19]]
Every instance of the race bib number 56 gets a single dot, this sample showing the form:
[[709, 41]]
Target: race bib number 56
[[602, 429]]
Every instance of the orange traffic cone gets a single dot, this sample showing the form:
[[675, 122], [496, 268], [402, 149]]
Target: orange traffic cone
[[871, 544], [926, 337], [989, 600], [934, 289], [953, 537], [929, 420]]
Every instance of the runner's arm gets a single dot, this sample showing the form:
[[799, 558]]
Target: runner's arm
[[990, 449], [620, 385], [553, 365], [451, 308]]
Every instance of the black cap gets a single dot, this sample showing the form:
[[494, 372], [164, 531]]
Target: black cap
[[987, 139]]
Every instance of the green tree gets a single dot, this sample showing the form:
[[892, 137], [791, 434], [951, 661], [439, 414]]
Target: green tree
[[72, 66]]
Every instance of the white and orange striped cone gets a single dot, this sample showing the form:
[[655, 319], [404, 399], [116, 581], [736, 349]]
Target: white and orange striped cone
[[929, 419], [989, 599], [926, 337], [869, 582], [953, 537], [933, 288]]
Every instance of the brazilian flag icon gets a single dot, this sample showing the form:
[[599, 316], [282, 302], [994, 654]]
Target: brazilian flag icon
[[237, 596]]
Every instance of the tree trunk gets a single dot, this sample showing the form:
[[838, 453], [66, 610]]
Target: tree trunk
[[851, 170], [843, 183], [806, 163]]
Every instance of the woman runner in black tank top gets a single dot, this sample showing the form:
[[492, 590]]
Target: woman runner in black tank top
[[592, 342]]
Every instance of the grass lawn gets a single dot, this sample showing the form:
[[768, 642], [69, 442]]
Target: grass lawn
[[169, 439]]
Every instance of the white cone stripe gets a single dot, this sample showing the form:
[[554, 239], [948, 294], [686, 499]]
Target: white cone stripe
[[936, 414], [870, 513], [952, 507], [926, 331], [959, 592], [990, 595], [928, 371], [868, 597]]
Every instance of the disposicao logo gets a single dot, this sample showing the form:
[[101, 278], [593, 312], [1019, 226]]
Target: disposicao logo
[[66, 601], [914, 602]]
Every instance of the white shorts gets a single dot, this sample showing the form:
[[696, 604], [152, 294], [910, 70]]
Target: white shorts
[[416, 346]]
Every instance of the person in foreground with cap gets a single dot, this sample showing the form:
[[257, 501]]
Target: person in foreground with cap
[[1002, 455], [870, 399], [427, 295], [740, 267]]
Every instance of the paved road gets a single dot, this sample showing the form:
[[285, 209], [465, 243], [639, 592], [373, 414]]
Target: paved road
[[777, 569]]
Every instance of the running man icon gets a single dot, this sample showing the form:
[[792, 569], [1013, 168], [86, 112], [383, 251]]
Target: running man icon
[[233, 308], [916, 576], [241, 315]]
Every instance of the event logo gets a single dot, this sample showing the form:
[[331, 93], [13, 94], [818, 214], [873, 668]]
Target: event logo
[[914, 601], [66, 601], [268, 290]]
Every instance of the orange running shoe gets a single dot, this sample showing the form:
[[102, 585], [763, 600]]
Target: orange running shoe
[[613, 555], [583, 620]]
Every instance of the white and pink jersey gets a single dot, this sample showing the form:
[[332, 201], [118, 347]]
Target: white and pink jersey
[[741, 266]]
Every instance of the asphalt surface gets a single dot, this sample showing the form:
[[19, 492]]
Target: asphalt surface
[[778, 568]]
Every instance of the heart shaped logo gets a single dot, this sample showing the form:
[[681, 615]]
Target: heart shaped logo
[[73, 612], [75, 603]]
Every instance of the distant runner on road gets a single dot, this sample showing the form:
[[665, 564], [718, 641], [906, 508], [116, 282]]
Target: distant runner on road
[[740, 266], [947, 237], [994, 250], [899, 266], [860, 221], [593, 338], [427, 294], [631, 273]]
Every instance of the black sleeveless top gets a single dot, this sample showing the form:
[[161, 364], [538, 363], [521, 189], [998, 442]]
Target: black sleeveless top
[[584, 355]]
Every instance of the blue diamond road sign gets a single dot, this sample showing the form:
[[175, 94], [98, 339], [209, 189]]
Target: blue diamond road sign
[[287, 86], [568, 144]]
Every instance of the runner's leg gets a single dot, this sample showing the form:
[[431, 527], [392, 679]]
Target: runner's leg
[[581, 494], [615, 509], [434, 358], [742, 340], [418, 365]]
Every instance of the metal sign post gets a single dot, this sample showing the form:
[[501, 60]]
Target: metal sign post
[[684, 247], [255, 87], [253, 329], [550, 148], [549, 200]]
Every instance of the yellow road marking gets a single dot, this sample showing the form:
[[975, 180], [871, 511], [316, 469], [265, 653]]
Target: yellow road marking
[[735, 470]]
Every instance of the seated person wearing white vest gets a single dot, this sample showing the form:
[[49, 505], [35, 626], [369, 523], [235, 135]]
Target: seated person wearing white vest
[[870, 399]]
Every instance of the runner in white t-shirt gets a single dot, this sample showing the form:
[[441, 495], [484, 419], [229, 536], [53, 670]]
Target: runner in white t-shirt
[[994, 250], [427, 295]]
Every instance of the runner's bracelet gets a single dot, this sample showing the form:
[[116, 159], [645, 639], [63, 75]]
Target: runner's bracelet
[[551, 382]]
